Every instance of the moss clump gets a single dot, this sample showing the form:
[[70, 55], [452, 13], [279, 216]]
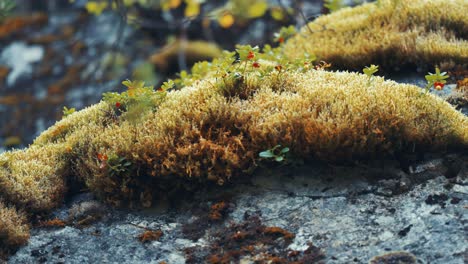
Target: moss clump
[[192, 51], [14, 229], [388, 33], [202, 133], [33, 178]]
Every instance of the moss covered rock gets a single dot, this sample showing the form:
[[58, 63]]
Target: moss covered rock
[[388, 33], [202, 133], [136, 147]]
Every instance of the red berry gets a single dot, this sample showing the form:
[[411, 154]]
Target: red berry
[[256, 64], [280, 39], [251, 55], [118, 104], [438, 86], [102, 157]]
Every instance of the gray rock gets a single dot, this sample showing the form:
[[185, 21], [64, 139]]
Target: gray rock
[[21, 66], [353, 214]]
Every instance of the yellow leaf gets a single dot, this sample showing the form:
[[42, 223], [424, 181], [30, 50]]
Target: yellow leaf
[[192, 9], [277, 13], [95, 8], [226, 20], [170, 4], [258, 9], [128, 2], [174, 3]]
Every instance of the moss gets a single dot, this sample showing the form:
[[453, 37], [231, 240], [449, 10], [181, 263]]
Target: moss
[[394, 257], [167, 59], [33, 178], [150, 235], [201, 134], [388, 33], [12, 141], [214, 128], [14, 229]]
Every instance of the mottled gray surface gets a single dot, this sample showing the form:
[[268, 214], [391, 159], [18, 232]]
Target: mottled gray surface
[[352, 213]]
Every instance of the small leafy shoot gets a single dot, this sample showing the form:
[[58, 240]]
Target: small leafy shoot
[[68, 111], [276, 153], [6, 7], [436, 80], [333, 5], [369, 71], [284, 34]]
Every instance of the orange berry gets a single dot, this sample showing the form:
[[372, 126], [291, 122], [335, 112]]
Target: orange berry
[[439, 86]]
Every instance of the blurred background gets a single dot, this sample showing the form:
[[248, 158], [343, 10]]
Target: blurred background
[[56, 53]]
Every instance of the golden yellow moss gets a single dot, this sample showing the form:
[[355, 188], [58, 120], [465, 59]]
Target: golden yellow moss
[[14, 229], [388, 33], [193, 51], [203, 133], [33, 178]]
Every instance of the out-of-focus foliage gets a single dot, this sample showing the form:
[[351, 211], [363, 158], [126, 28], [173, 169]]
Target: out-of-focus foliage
[[333, 5], [234, 11], [285, 33], [95, 7], [6, 7], [193, 51]]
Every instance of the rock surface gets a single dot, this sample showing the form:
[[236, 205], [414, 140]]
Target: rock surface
[[350, 214]]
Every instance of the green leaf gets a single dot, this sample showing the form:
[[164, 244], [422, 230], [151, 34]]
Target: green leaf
[[284, 150], [266, 154], [333, 5], [257, 9], [279, 158], [243, 51], [370, 70], [66, 111]]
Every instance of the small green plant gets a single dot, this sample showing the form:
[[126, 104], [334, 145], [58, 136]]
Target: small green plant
[[276, 153], [232, 68], [247, 54], [68, 111], [285, 33], [370, 70], [333, 5], [114, 164], [118, 165], [6, 7], [436, 80], [137, 100]]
